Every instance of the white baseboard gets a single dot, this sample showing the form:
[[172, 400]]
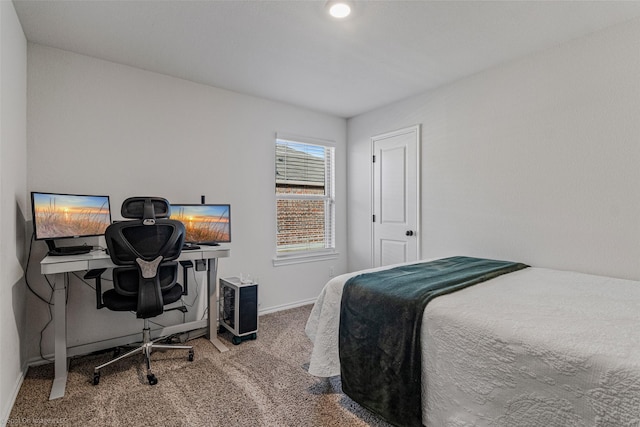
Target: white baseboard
[[286, 306], [8, 406]]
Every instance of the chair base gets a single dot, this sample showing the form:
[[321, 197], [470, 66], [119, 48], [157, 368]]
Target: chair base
[[145, 348]]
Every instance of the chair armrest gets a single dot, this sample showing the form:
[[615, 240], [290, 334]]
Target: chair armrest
[[96, 274], [185, 268]]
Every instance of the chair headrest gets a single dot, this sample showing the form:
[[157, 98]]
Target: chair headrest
[[146, 208]]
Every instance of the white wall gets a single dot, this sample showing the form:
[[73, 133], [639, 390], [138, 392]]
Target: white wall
[[13, 203], [96, 127], [536, 160]]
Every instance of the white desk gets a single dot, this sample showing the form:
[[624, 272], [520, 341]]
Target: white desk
[[62, 265]]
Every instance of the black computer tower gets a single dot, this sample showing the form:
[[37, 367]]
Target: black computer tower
[[239, 308]]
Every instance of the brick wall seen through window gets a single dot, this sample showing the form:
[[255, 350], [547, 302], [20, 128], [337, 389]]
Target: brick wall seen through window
[[304, 197]]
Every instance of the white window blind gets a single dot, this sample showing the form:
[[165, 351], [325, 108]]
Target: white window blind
[[304, 197]]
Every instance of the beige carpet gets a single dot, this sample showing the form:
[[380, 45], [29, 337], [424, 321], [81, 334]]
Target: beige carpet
[[257, 383]]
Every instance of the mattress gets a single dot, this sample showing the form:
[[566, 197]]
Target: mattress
[[536, 347]]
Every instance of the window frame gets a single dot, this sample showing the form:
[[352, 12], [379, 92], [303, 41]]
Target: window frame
[[329, 199]]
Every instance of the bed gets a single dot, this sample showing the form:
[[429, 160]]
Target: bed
[[534, 347]]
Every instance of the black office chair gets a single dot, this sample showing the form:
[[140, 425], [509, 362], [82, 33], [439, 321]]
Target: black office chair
[[145, 280]]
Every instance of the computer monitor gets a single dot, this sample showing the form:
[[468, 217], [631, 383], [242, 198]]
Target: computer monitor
[[205, 223], [65, 216]]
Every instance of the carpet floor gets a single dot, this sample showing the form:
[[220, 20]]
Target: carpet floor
[[257, 383]]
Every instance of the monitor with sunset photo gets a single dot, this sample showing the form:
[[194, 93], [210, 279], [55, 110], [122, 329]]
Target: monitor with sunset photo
[[63, 216], [206, 223]]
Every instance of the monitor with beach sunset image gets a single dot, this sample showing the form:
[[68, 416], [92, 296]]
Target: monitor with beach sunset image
[[205, 224], [61, 216]]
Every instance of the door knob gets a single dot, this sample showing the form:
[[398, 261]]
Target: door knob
[[409, 233]]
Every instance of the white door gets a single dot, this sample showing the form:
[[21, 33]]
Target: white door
[[396, 197]]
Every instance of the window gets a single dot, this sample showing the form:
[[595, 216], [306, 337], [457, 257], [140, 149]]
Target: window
[[304, 197]]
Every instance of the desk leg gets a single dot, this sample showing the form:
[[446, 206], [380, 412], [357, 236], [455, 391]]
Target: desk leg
[[212, 288], [60, 336]]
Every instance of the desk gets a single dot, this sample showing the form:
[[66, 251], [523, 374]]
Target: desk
[[61, 266]]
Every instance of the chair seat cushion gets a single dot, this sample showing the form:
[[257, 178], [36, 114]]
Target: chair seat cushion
[[116, 302]]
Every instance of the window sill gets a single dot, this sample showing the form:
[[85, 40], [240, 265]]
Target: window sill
[[302, 258]]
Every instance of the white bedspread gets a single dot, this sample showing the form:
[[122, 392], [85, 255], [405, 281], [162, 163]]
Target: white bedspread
[[536, 347]]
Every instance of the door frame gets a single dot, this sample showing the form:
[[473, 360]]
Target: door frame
[[417, 129]]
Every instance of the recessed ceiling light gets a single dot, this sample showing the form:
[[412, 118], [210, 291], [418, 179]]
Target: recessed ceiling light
[[339, 9]]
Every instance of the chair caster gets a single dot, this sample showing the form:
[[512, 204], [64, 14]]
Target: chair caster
[[191, 355], [152, 379], [96, 378]]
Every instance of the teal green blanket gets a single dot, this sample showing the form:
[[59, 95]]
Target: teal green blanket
[[380, 319]]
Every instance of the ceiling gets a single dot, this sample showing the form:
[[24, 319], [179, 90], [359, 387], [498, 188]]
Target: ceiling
[[292, 51]]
